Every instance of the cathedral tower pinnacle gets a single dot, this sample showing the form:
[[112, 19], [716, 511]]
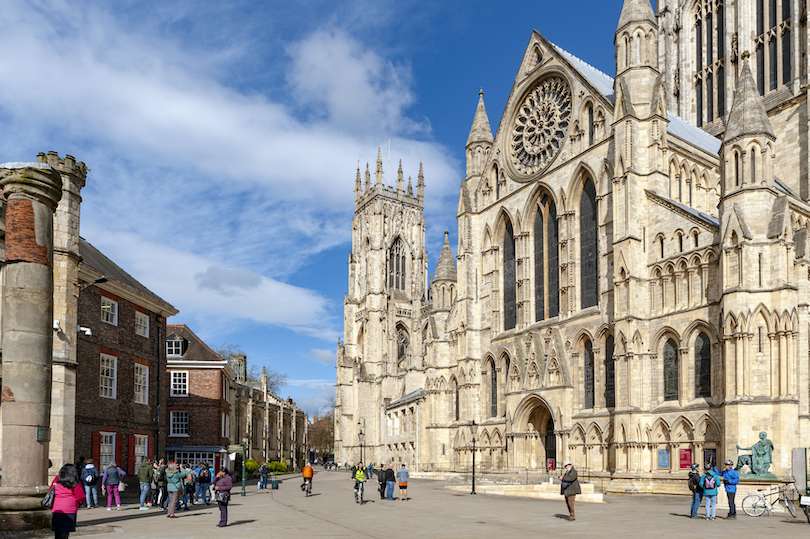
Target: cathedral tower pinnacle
[[479, 143]]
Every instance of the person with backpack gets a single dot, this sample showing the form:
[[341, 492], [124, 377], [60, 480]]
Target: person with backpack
[[709, 482], [203, 481], [160, 481], [695, 489], [89, 479], [188, 485], [730, 480], [145, 475]]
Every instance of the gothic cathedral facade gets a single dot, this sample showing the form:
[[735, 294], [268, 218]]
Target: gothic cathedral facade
[[632, 279]]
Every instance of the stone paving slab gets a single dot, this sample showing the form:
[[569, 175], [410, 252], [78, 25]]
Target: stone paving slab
[[432, 512]]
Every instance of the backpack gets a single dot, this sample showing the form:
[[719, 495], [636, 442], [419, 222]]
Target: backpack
[[694, 482], [204, 476], [91, 477], [160, 475], [709, 483]]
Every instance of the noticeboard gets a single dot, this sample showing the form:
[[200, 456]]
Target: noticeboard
[[663, 459], [685, 458]]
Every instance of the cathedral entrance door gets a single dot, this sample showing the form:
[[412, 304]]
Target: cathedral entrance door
[[540, 442]]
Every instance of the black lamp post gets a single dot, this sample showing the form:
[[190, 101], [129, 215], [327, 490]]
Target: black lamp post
[[474, 430], [361, 436]]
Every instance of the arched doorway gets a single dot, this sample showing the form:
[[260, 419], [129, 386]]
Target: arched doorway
[[535, 440]]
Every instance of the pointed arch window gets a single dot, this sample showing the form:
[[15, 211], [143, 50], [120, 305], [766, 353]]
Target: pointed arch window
[[509, 285], [493, 390], [546, 261], [703, 366], [589, 247], [610, 374], [456, 400], [670, 370], [396, 266], [590, 125], [710, 58], [402, 343], [587, 356], [773, 42]]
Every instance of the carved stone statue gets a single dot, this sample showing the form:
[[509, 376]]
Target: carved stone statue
[[759, 461]]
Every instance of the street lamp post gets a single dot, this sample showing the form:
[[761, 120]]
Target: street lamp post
[[474, 430], [361, 436]]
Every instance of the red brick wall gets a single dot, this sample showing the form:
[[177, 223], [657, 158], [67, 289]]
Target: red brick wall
[[120, 415], [205, 406]]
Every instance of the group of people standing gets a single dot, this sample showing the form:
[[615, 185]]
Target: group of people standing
[[163, 485], [386, 477], [705, 487]]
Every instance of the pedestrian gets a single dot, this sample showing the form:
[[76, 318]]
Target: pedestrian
[[370, 471], [709, 482], [402, 479], [730, 480], [174, 485], [203, 480], [89, 479], [112, 477], [145, 475], [80, 464], [160, 481], [223, 483], [154, 490], [381, 479], [68, 494], [696, 489], [390, 479], [570, 488], [188, 485], [263, 473]]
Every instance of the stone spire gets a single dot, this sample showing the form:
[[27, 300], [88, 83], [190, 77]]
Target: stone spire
[[446, 267], [410, 188], [379, 171], [368, 178], [747, 117], [636, 11], [358, 185], [400, 179], [420, 185], [480, 131]]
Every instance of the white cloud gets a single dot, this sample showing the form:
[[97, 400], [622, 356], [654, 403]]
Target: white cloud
[[325, 357], [209, 193]]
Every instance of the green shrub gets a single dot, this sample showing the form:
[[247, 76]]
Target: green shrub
[[277, 466], [251, 467]]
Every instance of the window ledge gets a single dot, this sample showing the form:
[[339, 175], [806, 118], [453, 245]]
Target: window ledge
[[179, 435]]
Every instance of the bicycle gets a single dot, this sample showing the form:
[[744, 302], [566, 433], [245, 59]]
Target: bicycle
[[307, 486], [804, 503], [358, 491], [756, 504]]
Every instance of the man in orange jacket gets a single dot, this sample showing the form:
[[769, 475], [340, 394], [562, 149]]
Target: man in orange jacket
[[308, 473]]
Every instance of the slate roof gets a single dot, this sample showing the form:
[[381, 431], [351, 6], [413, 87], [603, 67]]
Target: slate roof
[[406, 398], [197, 350], [94, 259]]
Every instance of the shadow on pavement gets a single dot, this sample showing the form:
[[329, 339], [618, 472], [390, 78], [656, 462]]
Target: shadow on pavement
[[681, 515], [563, 517], [240, 522]]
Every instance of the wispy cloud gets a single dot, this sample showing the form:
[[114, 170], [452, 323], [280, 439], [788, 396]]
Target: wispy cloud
[[210, 192], [325, 357]]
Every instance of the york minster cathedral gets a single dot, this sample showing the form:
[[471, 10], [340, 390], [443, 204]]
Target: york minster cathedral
[[631, 282]]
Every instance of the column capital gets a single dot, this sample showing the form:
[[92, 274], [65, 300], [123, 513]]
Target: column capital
[[33, 181]]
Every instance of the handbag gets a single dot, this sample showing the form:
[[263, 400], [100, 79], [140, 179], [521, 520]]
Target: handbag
[[49, 498], [565, 484], [223, 497], [122, 486]]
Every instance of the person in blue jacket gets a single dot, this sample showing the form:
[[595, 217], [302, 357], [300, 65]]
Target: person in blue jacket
[[709, 482], [730, 480]]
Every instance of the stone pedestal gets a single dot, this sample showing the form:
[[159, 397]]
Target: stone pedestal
[[32, 190]]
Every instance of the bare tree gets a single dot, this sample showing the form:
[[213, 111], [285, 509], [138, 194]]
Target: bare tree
[[275, 380], [322, 435]]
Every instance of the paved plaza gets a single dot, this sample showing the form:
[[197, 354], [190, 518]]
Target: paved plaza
[[433, 511]]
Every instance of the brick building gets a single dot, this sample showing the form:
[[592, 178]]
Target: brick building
[[120, 385], [211, 405]]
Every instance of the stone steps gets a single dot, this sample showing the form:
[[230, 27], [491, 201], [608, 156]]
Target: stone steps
[[545, 491]]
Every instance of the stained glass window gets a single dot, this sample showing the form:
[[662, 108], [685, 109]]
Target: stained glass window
[[509, 291], [703, 366], [587, 356], [589, 249], [670, 371], [493, 390], [610, 375]]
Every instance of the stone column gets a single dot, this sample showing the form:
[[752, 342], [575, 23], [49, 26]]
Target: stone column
[[33, 191]]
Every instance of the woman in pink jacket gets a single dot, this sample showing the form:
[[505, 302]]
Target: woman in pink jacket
[[69, 494]]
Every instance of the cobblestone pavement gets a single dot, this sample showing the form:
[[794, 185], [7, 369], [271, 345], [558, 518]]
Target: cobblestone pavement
[[433, 511]]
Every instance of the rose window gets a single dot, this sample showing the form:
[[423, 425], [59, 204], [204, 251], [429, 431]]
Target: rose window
[[540, 126]]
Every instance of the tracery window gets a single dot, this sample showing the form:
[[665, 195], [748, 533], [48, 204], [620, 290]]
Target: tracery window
[[402, 343], [610, 374], [703, 366], [590, 125], [493, 390], [509, 288], [456, 400], [587, 356], [546, 261], [773, 44], [670, 371], [589, 249], [710, 58], [396, 266]]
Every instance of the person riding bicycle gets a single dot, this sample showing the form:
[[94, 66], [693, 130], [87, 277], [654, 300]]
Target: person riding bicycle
[[359, 478], [308, 473]]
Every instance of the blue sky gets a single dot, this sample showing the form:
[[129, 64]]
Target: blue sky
[[223, 138]]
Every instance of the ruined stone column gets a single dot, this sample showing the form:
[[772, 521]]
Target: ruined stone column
[[33, 191]]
